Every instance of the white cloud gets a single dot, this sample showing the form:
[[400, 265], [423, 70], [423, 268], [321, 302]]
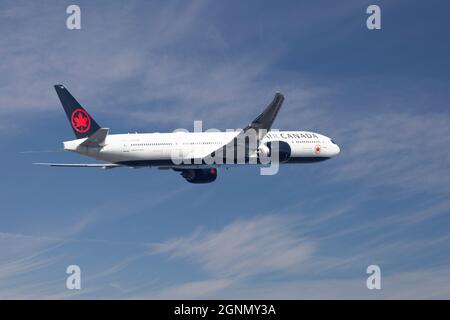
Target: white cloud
[[156, 66], [244, 248], [424, 284], [397, 148], [195, 289], [296, 251]]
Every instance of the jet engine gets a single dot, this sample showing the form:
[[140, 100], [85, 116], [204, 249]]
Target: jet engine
[[199, 175], [284, 150]]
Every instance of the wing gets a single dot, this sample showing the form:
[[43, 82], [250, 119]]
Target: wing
[[257, 129], [81, 165]]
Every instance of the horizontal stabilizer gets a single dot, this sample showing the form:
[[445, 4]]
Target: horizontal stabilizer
[[97, 139], [81, 165]]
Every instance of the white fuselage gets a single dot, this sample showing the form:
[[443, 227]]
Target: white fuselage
[[157, 149]]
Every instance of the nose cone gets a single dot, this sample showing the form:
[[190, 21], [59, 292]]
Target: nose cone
[[337, 150]]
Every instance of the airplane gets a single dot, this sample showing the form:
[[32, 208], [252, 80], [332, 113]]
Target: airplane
[[198, 154]]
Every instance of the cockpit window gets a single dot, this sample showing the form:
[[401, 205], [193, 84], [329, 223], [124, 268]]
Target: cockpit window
[[332, 141]]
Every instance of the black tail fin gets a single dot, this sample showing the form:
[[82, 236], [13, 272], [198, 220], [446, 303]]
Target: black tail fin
[[82, 123]]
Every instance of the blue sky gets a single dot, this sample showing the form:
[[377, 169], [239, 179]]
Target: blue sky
[[309, 231]]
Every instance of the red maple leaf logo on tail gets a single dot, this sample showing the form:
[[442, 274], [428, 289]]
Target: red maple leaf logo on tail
[[81, 121]]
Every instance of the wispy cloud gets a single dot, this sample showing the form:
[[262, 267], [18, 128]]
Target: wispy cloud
[[148, 69], [232, 258], [244, 248], [195, 289], [424, 284], [398, 149]]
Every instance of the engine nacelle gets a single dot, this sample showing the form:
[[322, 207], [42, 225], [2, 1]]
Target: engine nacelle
[[284, 150], [264, 151], [199, 175]]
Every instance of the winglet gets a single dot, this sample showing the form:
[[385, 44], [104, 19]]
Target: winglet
[[267, 117]]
